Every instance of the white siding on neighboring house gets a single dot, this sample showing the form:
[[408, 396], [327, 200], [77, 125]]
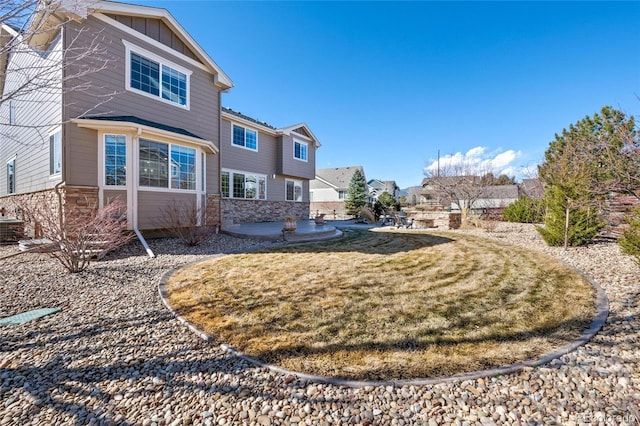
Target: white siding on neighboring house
[[35, 116], [324, 194]]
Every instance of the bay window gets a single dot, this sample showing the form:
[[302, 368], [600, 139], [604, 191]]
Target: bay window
[[115, 160], [165, 165]]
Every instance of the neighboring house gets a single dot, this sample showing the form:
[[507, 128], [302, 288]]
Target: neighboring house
[[532, 188], [413, 195], [157, 141], [469, 192], [377, 187], [329, 190], [496, 197], [265, 170]]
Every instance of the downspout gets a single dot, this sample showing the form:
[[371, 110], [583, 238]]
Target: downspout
[[60, 210], [144, 242], [135, 221]]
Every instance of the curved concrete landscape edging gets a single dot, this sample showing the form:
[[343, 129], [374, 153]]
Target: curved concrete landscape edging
[[602, 312]]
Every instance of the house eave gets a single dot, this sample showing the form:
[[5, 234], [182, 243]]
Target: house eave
[[222, 80], [249, 123], [127, 126], [289, 129]]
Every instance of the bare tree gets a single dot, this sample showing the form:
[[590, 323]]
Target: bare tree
[[40, 60], [77, 236], [187, 222], [460, 184]]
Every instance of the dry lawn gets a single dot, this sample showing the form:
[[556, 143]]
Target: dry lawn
[[385, 305]]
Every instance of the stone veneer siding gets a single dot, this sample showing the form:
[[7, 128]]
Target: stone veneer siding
[[79, 199], [249, 211], [212, 210]]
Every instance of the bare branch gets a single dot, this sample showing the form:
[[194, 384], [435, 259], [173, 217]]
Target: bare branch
[[48, 58]]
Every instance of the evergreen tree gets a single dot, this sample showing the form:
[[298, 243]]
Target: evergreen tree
[[357, 194], [388, 201], [630, 240], [567, 223], [581, 166]]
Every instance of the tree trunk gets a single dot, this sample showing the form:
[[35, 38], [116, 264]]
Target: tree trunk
[[566, 225]]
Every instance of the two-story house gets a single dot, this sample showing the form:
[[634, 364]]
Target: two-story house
[[265, 170], [377, 187], [146, 125], [329, 190]]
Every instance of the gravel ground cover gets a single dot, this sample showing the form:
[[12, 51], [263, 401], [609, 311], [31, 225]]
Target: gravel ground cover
[[115, 355]]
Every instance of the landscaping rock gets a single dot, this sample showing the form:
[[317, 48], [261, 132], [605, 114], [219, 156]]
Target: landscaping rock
[[115, 355]]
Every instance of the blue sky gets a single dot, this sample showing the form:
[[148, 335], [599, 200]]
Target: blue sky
[[386, 85]]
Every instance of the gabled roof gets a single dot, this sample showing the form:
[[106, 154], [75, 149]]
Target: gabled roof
[[78, 9], [143, 127], [299, 130], [450, 180], [338, 177], [138, 120], [240, 115], [532, 188], [500, 192], [7, 33]]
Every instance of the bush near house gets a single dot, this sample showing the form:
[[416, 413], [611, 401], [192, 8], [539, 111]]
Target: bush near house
[[77, 237]]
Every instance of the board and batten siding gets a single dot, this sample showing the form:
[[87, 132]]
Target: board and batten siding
[[36, 115], [201, 118], [157, 30]]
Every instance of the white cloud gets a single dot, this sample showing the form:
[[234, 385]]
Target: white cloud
[[478, 160]]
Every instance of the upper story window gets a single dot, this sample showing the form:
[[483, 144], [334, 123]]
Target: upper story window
[[243, 185], [293, 190], [300, 150], [154, 76], [342, 195], [11, 176], [55, 153], [162, 163], [115, 160], [244, 137]]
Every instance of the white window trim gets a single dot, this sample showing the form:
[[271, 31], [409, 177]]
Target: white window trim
[[12, 112], [104, 158], [306, 144], [56, 130], [245, 137], [168, 188], [295, 181], [129, 48], [257, 175], [6, 170]]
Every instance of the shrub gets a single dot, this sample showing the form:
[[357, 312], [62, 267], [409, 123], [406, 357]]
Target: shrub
[[367, 214], [77, 237], [630, 240], [524, 210], [184, 221]]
